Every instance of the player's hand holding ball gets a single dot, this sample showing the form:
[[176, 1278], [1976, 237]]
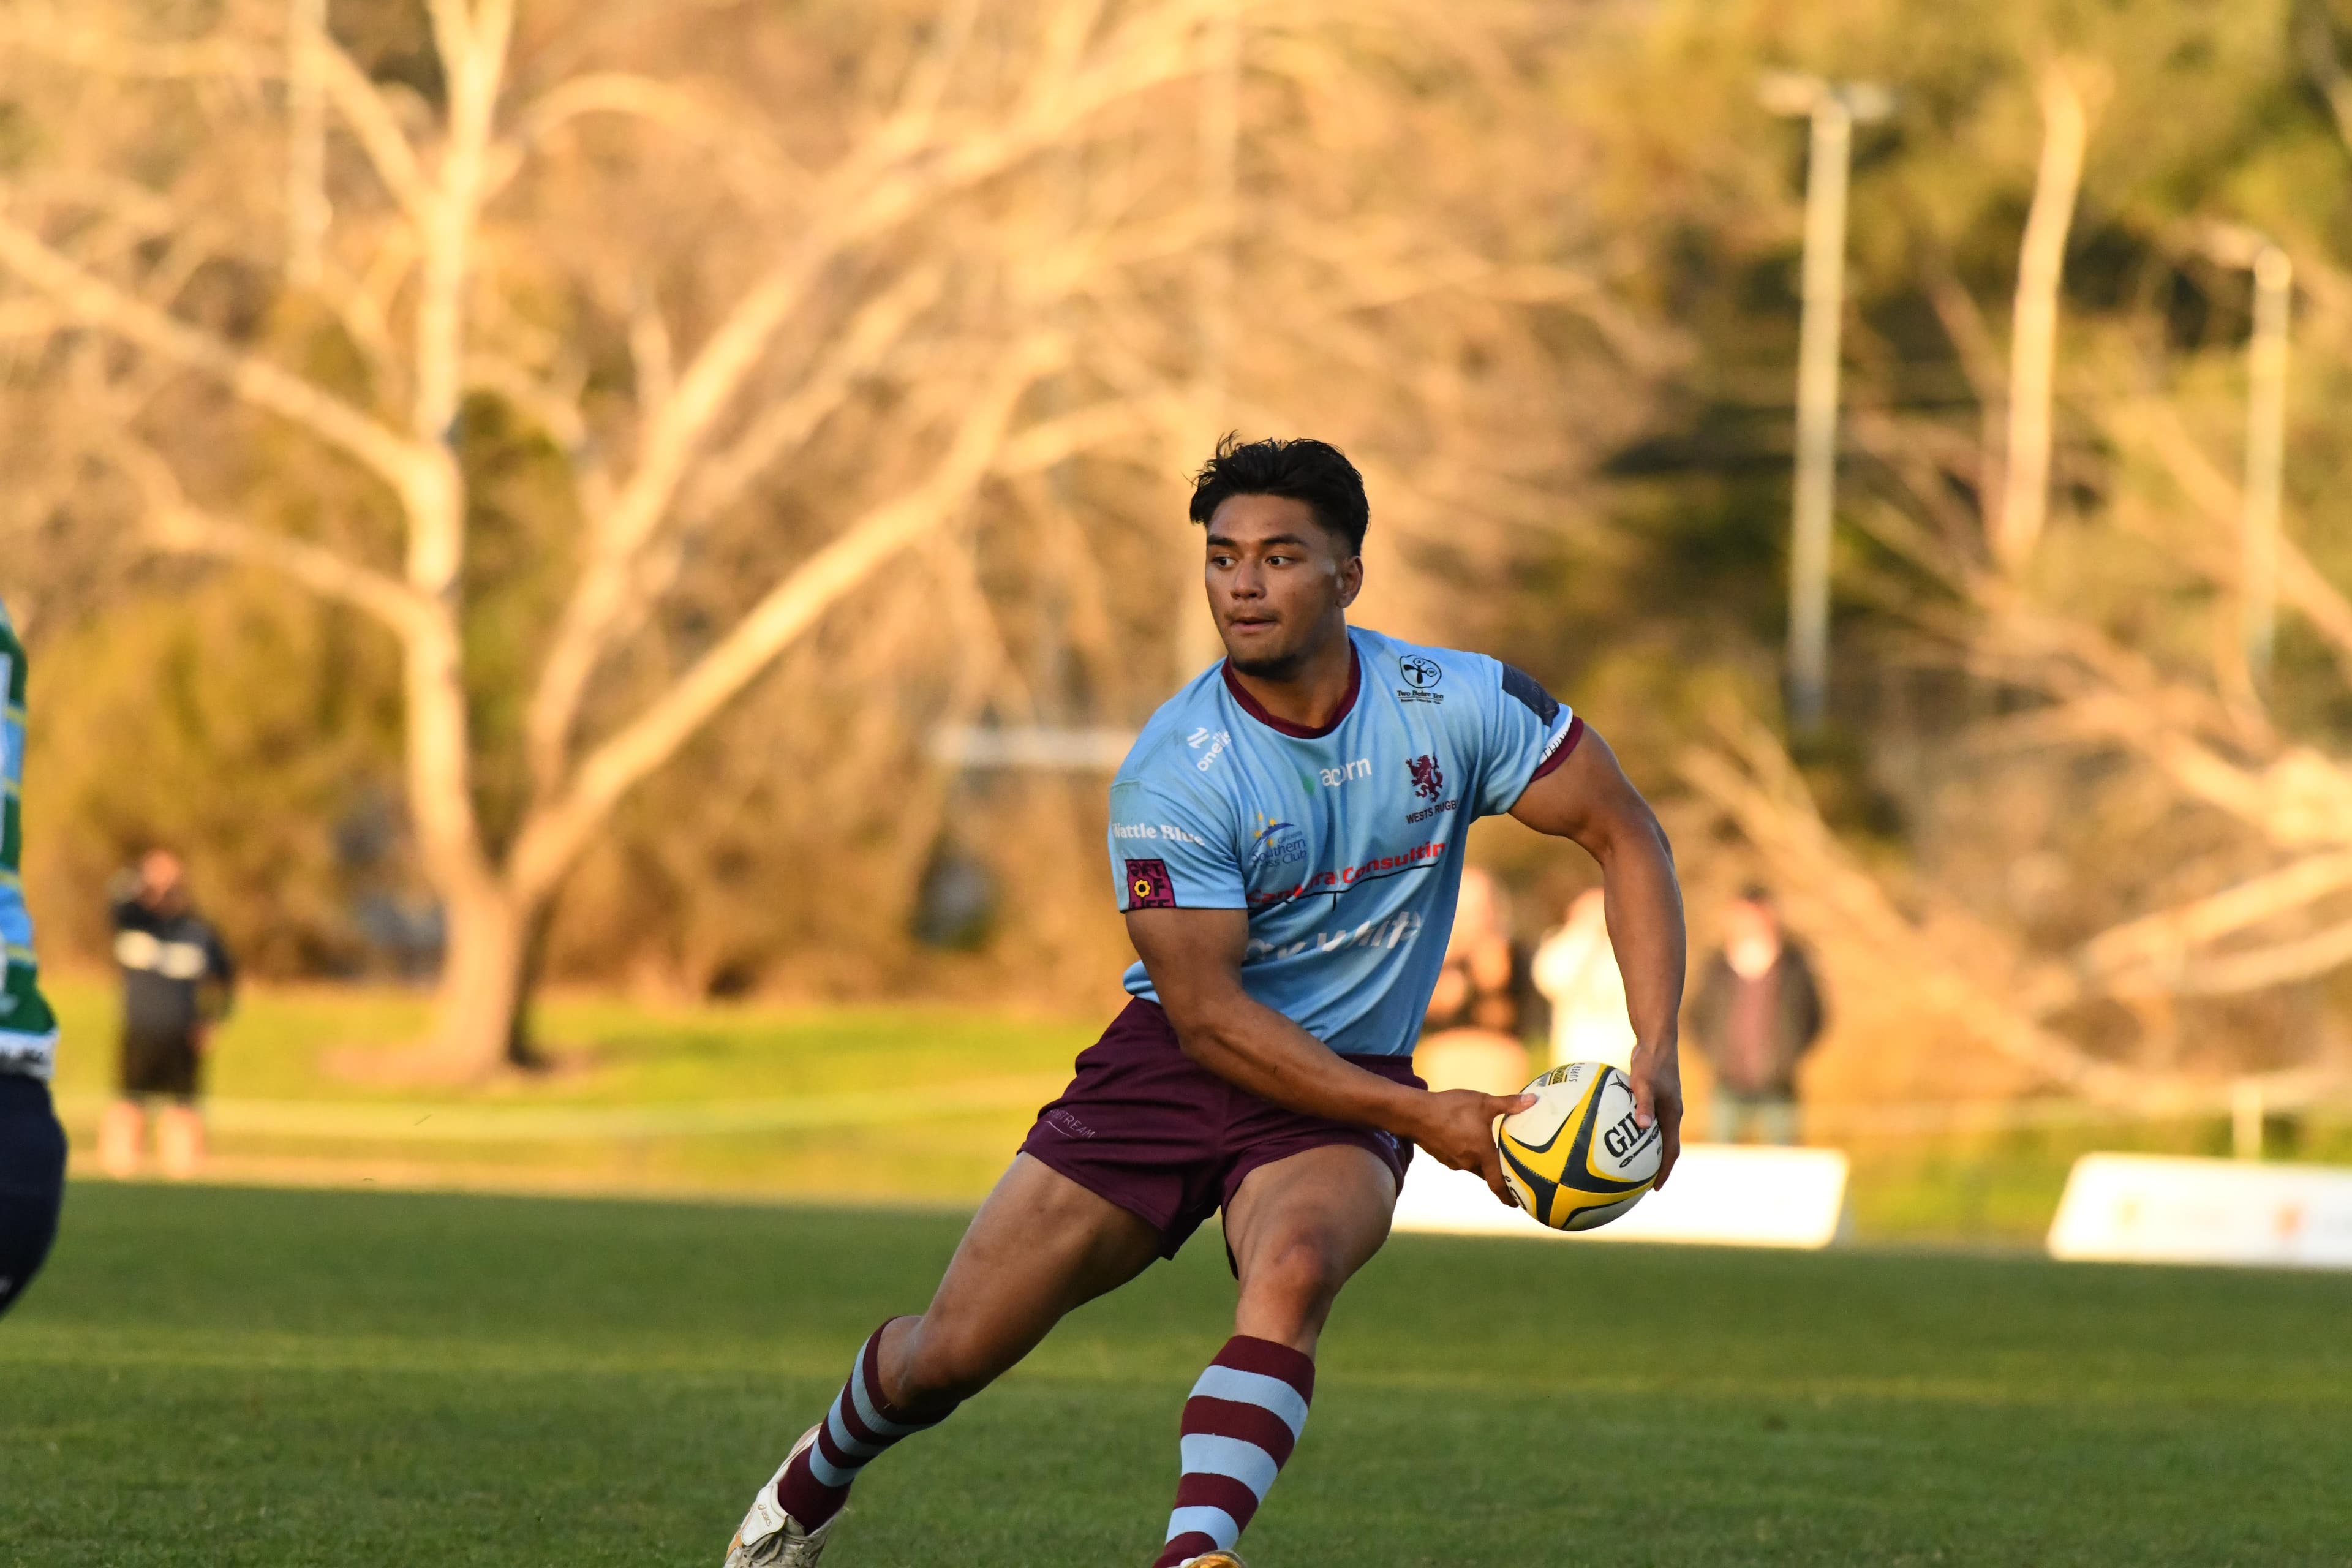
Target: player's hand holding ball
[[1581, 1154], [1657, 1079], [1457, 1131]]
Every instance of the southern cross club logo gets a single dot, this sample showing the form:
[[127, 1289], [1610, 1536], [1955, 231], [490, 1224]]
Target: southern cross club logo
[[1427, 778]]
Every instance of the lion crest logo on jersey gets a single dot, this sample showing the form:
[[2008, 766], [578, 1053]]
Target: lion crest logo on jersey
[[1428, 779]]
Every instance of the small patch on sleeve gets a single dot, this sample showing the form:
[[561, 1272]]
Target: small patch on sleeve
[[1148, 887], [1518, 683]]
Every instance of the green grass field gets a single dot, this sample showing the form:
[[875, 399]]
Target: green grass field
[[246, 1376], [915, 1103], [918, 1102]]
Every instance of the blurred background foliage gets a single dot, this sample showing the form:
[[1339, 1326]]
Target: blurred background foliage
[[1535, 266]]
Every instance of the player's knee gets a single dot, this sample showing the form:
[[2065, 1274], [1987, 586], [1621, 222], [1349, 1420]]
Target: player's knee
[[1298, 1276]]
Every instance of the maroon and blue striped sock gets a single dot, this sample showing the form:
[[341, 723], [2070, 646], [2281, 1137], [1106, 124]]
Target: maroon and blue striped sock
[[1240, 1425], [858, 1427]]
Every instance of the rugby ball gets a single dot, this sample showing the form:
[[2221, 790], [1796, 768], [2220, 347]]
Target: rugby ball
[[1575, 1159]]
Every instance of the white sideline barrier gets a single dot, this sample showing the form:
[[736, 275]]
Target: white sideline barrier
[[1721, 1194], [2148, 1208]]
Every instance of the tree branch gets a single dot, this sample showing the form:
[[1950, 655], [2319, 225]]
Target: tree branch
[[473, 61], [102, 305], [189, 531], [2159, 941], [2311, 31], [1981, 361], [870, 191], [1052, 442], [545, 406], [2297, 798], [553, 835], [175, 523], [2277, 966], [652, 358], [1960, 968], [2033, 335], [910, 123], [609, 599], [2156, 428], [43, 29], [361, 104], [656, 101], [872, 334], [473, 47]]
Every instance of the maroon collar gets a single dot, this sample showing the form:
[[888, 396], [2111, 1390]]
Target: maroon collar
[[1256, 709]]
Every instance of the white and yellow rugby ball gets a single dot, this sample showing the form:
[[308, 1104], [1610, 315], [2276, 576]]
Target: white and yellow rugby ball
[[1575, 1159]]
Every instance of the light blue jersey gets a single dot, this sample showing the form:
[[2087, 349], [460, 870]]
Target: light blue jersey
[[1345, 843]]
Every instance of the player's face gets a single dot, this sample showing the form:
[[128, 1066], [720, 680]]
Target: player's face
[[1279, 583]]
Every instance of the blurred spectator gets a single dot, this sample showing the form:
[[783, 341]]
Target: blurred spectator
[[1470, 1033], [1576, 969], [1478, 988], [1758, 1013], [177, 984]]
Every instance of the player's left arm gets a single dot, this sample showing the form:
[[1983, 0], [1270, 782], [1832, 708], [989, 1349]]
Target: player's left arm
[[1589, 799]]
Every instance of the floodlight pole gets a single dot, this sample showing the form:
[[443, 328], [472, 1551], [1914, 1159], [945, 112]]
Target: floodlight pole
[[2265, 457], [1826, 163], [1832, 108]]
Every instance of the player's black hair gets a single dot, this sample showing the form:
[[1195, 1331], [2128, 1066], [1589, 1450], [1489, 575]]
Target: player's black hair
[[1312, 471]]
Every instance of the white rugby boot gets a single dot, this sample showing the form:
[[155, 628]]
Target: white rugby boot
[[771, 1538]]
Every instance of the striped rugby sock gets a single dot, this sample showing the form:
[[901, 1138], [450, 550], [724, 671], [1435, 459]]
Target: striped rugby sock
[[1240, 1423], [860, 1425]]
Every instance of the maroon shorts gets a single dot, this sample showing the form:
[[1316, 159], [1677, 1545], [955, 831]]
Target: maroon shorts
[[1166, 1139]]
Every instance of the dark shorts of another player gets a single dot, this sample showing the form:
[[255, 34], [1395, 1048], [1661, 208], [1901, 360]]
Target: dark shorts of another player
[[159, 1066], [1170, 1141], [32, 1181]]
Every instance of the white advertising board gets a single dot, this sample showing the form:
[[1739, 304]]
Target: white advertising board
[[1720, 1194], [2150, 1208]]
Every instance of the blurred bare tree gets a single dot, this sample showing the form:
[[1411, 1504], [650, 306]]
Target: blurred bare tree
[[2061, 811], [605, 356]]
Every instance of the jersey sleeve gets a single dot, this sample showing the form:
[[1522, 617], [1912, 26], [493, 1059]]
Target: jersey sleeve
[[1170, 849], [1527, 733]]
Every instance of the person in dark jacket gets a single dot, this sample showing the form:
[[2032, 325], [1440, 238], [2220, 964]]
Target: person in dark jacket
[[1759, 1010], [177, 979]]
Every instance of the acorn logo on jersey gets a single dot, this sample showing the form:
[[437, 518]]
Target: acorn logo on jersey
[[1148, 887]]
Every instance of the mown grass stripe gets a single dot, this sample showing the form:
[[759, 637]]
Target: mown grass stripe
[[426, 1122]]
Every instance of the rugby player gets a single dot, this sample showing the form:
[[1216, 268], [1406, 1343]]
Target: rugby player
[[1287, 841], [32, 1144]]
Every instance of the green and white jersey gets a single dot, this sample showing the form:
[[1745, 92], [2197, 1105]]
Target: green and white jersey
[[28, 1031]]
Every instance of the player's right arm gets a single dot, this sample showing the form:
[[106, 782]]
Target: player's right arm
[[1195, 957]]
